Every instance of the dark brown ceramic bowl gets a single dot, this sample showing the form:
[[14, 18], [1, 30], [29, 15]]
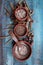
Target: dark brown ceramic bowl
[[23, 54], [20, 30], [21, 13]]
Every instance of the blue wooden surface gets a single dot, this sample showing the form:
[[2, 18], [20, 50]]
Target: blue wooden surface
[[37, 49]]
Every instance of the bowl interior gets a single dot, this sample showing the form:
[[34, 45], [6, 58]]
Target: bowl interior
[[20, 30]]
